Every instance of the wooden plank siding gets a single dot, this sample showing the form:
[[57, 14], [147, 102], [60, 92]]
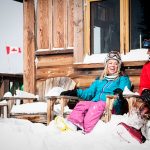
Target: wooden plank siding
[[61, 25], [55, 24], [42, 22], [58, 32], [54, 65], [54, 60], [70, 24], [54, 72]]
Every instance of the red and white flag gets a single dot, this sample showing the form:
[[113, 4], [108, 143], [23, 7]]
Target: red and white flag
[[13, 50]]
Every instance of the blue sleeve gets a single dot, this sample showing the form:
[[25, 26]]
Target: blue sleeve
[[124, 81], [88, 93]]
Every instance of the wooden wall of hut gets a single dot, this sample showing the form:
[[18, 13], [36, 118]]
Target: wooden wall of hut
[[53, 44], [57, 40]]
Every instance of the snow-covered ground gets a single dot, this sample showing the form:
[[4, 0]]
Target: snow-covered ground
[[18, 134]]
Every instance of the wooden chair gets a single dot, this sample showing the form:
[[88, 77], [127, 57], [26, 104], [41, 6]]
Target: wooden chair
[[51, 100], [44, 117], [109, 106], [134, 101], [67, 84]]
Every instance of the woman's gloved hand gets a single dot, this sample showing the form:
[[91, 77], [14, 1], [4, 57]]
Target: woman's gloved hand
[[119, 92], [122, 107], [69, 93]]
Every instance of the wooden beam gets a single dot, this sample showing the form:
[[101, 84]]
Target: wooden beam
[[54, 60], [78, 31], [53, 52], [60, 71], [29, 46], [126, 5], [50, 24], [124, 26]]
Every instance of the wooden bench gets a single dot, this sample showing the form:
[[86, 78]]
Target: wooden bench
[[65, 82], [64, 99]]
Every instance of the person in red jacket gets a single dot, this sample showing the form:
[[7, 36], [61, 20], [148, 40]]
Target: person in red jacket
[[145, 74], [144, 87], [145, 77]]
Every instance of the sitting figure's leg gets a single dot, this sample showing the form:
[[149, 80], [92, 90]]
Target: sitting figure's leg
[[93, 115], [78, 113]]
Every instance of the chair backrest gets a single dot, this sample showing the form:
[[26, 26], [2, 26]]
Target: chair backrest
[[64, 82]]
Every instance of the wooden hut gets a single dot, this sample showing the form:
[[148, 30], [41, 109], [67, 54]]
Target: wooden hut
[[57, 36]]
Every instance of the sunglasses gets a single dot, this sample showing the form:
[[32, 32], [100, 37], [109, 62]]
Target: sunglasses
[[113, 54]]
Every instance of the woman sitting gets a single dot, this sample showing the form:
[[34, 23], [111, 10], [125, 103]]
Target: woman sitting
[[86, 113]]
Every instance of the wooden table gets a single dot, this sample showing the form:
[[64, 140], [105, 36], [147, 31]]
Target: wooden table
[[51, 100]]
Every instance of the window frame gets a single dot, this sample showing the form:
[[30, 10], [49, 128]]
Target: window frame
[[124, 26]]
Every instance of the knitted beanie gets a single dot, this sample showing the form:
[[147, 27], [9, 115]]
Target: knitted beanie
[[113, 55]]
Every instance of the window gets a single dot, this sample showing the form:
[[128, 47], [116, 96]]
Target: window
[[115, 25], [140, 22], [104, 26]]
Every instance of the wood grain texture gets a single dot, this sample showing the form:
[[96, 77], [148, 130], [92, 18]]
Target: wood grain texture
[[54, 60], [70, 24], [29, 46], [78, 31], [42, 24], [58, 26]]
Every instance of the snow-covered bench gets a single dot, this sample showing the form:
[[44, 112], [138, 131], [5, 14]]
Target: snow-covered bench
[[40, 111]]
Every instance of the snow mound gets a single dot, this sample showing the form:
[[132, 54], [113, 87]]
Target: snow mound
[[126, 91], [55, 91]]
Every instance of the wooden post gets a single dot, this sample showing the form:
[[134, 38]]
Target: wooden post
[[124, 26], [109, 105], [4, 87], [131, 101], [3, 110], [78, 31], [50, 109], [29, 46], [63, 102]]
